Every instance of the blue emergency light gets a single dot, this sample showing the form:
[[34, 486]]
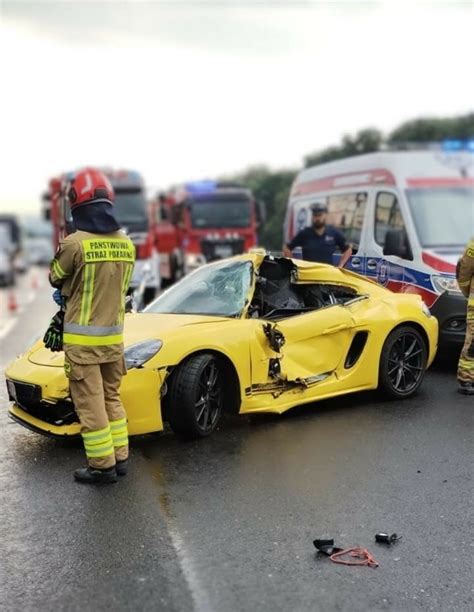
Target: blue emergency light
[[455, 144], [199, 187], [452, 145]]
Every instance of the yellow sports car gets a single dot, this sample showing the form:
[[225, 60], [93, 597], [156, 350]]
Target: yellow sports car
[[253, 333]]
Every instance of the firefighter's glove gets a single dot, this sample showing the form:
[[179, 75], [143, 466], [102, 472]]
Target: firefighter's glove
[[53, 338], [58, 298]]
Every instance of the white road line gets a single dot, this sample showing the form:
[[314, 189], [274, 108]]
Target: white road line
[[188, 567], [8, 327]]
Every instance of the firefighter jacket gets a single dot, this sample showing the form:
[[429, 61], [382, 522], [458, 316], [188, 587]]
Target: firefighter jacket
[[465, 269], [93, 272]]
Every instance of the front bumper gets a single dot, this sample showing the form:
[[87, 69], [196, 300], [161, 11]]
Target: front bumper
[[450, 310], [41, 427], [41, 403], [54, 418]]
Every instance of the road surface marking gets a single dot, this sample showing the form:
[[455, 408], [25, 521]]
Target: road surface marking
[[9, 325], [188, 567]]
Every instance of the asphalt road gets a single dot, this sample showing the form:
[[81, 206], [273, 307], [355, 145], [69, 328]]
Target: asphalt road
[[227, 523]]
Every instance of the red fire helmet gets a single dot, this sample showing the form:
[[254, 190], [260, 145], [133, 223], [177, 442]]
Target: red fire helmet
[[88, 186]]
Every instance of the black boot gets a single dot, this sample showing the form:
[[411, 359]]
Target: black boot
[[121, 467], [466, 388], [91, 475]]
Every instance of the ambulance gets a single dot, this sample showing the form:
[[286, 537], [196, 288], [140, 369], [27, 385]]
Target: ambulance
[[408, 216]]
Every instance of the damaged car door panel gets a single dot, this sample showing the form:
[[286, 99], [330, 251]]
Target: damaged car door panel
[[300, 351]]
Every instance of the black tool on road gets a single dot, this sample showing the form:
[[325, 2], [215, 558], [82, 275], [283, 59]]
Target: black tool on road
[[385, 538], [326, 547]]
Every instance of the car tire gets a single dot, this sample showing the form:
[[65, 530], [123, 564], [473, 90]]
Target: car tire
[[402, 363], [195, 396]]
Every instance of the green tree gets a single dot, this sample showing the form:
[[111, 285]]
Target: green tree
[[365, 141], [433, 130]]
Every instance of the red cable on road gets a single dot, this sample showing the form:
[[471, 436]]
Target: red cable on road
[[361, 554]]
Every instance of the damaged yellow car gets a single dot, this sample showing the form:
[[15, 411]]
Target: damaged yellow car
[[249, 334]]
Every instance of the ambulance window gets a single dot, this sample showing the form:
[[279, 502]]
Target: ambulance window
[[346, 212], [388, 216]]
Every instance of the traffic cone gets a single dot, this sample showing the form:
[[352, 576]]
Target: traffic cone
[[12, 303]]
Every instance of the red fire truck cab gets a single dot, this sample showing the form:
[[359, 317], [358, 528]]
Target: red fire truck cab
[[201, 222]]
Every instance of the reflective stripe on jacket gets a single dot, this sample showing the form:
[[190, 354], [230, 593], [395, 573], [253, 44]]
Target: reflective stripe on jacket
[[465, 269], [93, 272]]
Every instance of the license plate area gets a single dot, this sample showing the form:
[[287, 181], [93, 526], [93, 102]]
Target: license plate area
[[223, 250]]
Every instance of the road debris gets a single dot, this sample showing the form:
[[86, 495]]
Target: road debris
[[385, 538], [357, 555]]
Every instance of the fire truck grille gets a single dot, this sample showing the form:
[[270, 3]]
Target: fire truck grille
[[219, 249]]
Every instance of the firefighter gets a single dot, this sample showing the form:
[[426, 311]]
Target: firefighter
[[465, 277], [92, 269]]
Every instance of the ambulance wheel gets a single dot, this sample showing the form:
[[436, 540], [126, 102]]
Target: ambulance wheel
[[195, 396], [402, 363]]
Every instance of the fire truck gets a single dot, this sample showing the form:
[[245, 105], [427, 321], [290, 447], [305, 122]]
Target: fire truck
[[131, 211], [203, 221]]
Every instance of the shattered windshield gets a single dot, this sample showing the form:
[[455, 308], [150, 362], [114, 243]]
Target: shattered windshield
[[218, 289]]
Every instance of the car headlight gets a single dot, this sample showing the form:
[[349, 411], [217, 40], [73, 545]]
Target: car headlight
[[445, 283], [138, 354]]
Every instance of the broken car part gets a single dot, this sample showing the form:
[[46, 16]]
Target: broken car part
[[385, 538], [326, 547]]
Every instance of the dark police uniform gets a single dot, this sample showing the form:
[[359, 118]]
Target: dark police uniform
[[317, 247]]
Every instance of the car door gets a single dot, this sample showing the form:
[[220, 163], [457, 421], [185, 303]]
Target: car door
[[314, 345]]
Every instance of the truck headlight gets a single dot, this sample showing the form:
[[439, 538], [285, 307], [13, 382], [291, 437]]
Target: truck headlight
[[445, 283], [138, 354], [194, 260]]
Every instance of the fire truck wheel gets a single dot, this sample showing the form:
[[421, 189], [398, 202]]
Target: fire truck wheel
[[195, 396]]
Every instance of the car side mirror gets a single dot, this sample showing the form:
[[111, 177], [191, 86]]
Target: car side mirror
[[129, 304], [396, 243]]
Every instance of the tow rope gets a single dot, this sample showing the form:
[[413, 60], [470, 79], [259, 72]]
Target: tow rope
[[360, 555]]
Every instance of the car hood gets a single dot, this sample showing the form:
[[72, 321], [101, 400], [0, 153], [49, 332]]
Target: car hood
[[138, 327]]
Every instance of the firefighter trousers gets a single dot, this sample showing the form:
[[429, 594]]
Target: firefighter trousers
[[95, 393], [466, 362]]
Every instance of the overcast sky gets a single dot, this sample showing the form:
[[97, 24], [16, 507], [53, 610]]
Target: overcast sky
[[183, 90]]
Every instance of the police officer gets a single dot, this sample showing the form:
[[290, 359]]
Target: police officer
[[465, 276], [320, 241], [92, 269]]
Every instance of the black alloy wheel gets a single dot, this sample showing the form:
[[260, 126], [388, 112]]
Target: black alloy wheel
[[195, 396], [402, 363]]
